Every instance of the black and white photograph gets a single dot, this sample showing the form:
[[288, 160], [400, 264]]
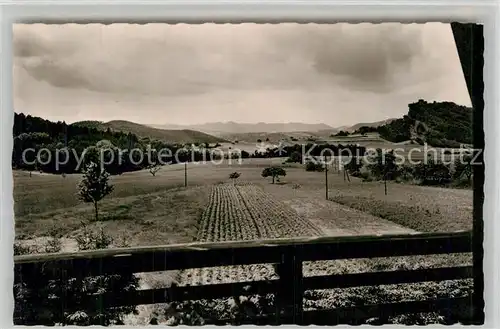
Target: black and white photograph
[[230, 174]]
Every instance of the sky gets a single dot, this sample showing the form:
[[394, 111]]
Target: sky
[[337, 74]]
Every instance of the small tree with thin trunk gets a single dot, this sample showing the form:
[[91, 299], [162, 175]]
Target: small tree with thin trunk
[[154, 168], [273, 172], [94, 186], [154, 162]]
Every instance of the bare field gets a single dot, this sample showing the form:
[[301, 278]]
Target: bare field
[[245, 212]]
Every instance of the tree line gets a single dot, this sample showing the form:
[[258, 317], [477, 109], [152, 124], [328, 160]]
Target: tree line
[[439, 124], [57, 147]]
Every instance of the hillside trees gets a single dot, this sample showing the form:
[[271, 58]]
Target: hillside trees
[[432, 173], [383, 165], [48, 141], [234, 176], [446, 124]]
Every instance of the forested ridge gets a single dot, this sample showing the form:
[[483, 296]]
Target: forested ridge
[[439, 124], [87, 141]]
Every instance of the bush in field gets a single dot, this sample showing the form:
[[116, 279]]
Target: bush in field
[[462, 172], [383, 165], [432, 173], [341, 134], [365, 176], [273, 172], [94, 186], [314, 166], [53, 245], [154, 162], [295, 157], [354, 167], [234, 176], [45, 298], [88, 240], [20, 249]]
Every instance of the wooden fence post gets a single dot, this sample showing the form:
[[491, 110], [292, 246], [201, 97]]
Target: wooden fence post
[[185, 175], [290, 294], [326, 179]]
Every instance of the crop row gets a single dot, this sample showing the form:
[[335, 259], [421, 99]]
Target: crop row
[[244, 212], [226, 217]]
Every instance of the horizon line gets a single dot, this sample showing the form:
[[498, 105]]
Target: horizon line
[[49, 118]]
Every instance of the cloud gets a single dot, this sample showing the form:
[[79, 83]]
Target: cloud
[[362, 56], [184, 72]]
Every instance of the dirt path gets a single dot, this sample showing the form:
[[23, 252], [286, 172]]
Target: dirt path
[[333, 218]]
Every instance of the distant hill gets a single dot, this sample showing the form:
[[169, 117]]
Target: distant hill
[[86, 138], [231, 127], [173, 136], [369, 124], [439, 124], [274, 137], [90, 124]]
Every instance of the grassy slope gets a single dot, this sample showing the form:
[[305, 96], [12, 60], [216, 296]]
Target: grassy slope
[[43, 196], [173, 212]]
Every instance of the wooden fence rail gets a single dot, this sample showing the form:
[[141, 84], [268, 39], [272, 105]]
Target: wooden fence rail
[[287, 254]]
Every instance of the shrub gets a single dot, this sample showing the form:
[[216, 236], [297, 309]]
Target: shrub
[[90, 240], [354, 167], [462, 182], [432, 173], [94, 186], [366, 177], [295, 157], [405, 173], [53, 245], [20, 249], [314, 166]]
